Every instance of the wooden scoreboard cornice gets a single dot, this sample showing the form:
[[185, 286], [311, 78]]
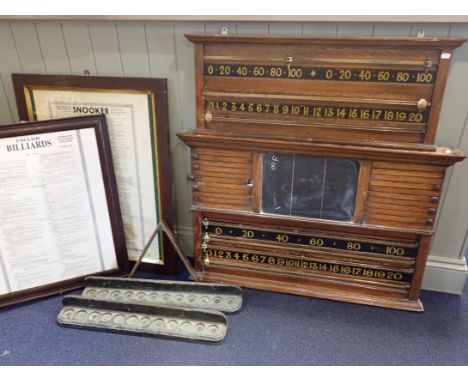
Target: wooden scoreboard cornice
[[441, 156], [379, 42]]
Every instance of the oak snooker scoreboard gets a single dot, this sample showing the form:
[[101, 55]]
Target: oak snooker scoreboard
[[313, 165]]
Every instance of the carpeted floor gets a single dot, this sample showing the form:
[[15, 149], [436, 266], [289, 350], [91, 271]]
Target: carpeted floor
[[271, 329]]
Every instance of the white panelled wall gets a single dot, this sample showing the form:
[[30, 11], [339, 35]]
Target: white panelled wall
[[159, 49]]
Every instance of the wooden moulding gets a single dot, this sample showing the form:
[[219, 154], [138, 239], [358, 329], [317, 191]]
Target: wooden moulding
[[351, 133], [431, 42], [199, 84], [397, 153], [361, 193], [257, 172], [439, 88], [319, 88], [424, 247], [197, 241]]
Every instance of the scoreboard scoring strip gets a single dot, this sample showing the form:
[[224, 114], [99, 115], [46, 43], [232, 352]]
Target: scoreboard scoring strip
[[310, 241], [307, 265], [421, 77], [319, 111]]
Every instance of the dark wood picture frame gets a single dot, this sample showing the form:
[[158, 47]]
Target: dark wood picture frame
[[98, 123], [156, 90]]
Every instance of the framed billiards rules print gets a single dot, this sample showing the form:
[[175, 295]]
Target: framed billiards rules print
[[60, 218]]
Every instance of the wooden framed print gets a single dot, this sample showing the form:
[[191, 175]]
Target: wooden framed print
[[136, 114], [60, 217]]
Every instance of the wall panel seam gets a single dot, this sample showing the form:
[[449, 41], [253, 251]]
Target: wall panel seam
[[66, 48], [147, 51], [443, 197], [179, 82], [13, 38], [40, 47], [8, 103], [449, 179], [92, 49], [463, 248], [463, 129], [122, 70]]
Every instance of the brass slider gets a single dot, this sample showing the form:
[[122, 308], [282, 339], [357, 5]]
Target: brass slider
[[206, 260], [249, 183], [435, 199], [208, 117], [432, 211], [303, 98], [206, 223], [204, 247], [190, 178], [206, 238], [429, 221], [195, 187], [319, 61], [422, 104], [428, 63], [195, 166]]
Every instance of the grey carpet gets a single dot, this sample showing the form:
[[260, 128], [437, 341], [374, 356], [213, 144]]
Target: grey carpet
[[271, 329]]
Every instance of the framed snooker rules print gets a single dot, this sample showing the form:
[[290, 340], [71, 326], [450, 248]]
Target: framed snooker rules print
[[136, 115], [60, 218]]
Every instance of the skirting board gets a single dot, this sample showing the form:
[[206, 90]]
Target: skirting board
[[445, 275], [442, 274], [185, 239]]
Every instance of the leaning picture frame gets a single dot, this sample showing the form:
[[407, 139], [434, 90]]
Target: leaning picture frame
[[60, 218], [137, 118]]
